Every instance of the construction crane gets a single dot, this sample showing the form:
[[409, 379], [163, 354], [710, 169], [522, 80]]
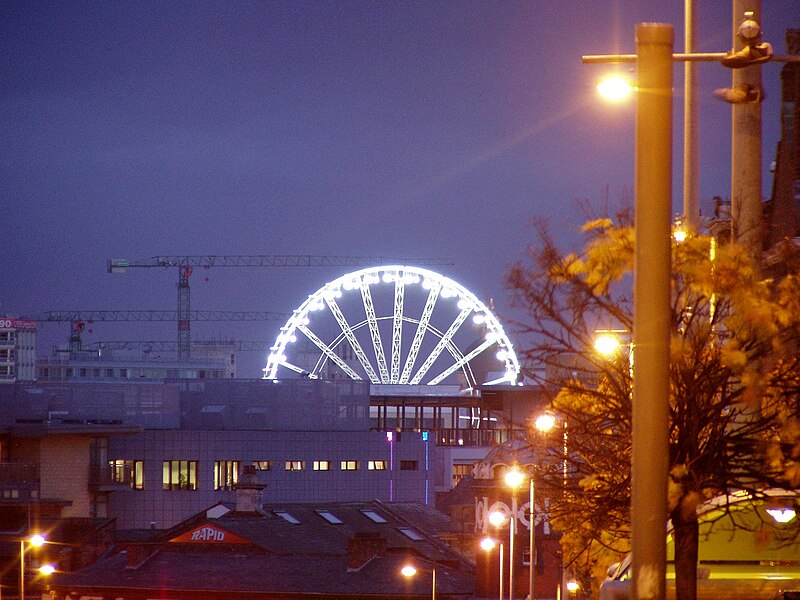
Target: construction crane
[[185, 265], [79, 319], [172, 346]]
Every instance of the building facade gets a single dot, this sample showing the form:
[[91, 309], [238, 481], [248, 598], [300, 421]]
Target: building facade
[[17, 350]]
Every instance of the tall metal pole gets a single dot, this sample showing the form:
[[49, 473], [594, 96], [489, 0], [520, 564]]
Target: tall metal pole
[[501, 570], [512, 527], [746, 146], [651, 309], [532, 543], [22, 569], [691, 185]]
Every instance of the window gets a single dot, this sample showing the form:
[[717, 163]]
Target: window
[[180, 475], [322, 465], [226, 474], [295, 465], [373, 516], [410, 533], [287, 517], [329, 517], [461, 471], [376, 465], [408, 465], [349, 465], [127, 471], [262, 465]]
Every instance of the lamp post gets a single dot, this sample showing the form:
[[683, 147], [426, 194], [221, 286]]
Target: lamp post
[[410, 570], [35, 541], [498, 519], [488, 544], [513, 479]]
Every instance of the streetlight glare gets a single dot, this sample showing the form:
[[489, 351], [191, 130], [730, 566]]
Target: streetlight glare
[[497, 518], [409, 571], [514, 478], [606, 344], [488, 544], [545, 422], [573, 586], [36, 540], [615, 88], [47, 569]]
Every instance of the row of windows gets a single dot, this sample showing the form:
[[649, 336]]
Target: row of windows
[[182, 474]]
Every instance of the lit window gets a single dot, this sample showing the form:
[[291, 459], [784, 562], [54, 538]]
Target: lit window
[[329, 517], [287, 517], [226, 474], [408, 465], [376, 465], [128, 472], [372, 515], [410, 533], [295, 465], [349, 465], [180, 475], [262, 465], [322, 465]]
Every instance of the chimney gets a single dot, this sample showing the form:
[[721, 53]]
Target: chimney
[[248, 491], [363, 548]]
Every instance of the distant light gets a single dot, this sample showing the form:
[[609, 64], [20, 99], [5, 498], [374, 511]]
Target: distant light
[[781, 515], [488, 543], [573, 586], [408, 571], [424, 436], [502, 355], [478, 319], [47, 569], [615, 88], [606, 344], [389, 436], [545, 422], [679, 235], [514, 477], [497, 518], [36, 540]]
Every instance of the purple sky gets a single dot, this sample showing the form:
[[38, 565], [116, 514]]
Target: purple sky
[[132, 129]]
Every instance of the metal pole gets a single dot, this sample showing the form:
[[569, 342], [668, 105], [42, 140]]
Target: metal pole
[[532, 544], [501, 570], [746, 147], [691, 186], [651, 309], [433, 584], [21, 569], [512, 527]]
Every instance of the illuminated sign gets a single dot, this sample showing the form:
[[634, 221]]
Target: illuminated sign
[[21, 324], [209, 534]]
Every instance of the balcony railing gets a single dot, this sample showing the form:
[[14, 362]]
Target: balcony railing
[[18, 481]]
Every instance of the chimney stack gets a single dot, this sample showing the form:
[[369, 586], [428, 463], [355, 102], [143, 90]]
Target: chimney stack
[[248, 491]]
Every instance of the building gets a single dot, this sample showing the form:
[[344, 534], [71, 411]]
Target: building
[[311, 551], [17, 350]]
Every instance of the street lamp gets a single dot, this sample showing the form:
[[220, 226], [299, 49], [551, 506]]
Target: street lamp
[[35, 541], [513, 479], [488, 544], [410, 570]]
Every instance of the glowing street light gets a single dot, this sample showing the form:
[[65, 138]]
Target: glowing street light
[[607, 344], [488, 544], [410, 570], [615, 88], [513, 479], [35, 541]]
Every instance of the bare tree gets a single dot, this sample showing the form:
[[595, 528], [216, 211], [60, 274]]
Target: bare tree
[[733, 371]]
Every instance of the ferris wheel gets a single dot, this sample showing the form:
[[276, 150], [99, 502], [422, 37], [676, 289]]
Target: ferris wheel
[[394, 325]]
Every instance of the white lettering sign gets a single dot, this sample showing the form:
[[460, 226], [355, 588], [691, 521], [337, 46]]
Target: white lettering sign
[[208, 534]]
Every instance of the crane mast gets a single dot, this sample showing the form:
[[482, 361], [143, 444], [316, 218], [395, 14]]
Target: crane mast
[[185, 264]]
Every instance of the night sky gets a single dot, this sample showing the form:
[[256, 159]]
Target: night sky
[[423, 129]]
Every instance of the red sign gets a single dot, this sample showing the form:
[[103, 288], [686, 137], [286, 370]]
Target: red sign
[[21, 324], [209, 534]]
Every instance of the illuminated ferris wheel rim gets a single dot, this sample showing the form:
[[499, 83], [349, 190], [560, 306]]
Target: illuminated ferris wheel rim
[[399, 276]]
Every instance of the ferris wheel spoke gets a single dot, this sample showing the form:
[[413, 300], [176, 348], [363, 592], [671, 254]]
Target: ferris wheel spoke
[[328, 351], [460, 363], [397, 328], [377, 344], [422, 327], [443, 342], [297, 369], [348, 333]]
